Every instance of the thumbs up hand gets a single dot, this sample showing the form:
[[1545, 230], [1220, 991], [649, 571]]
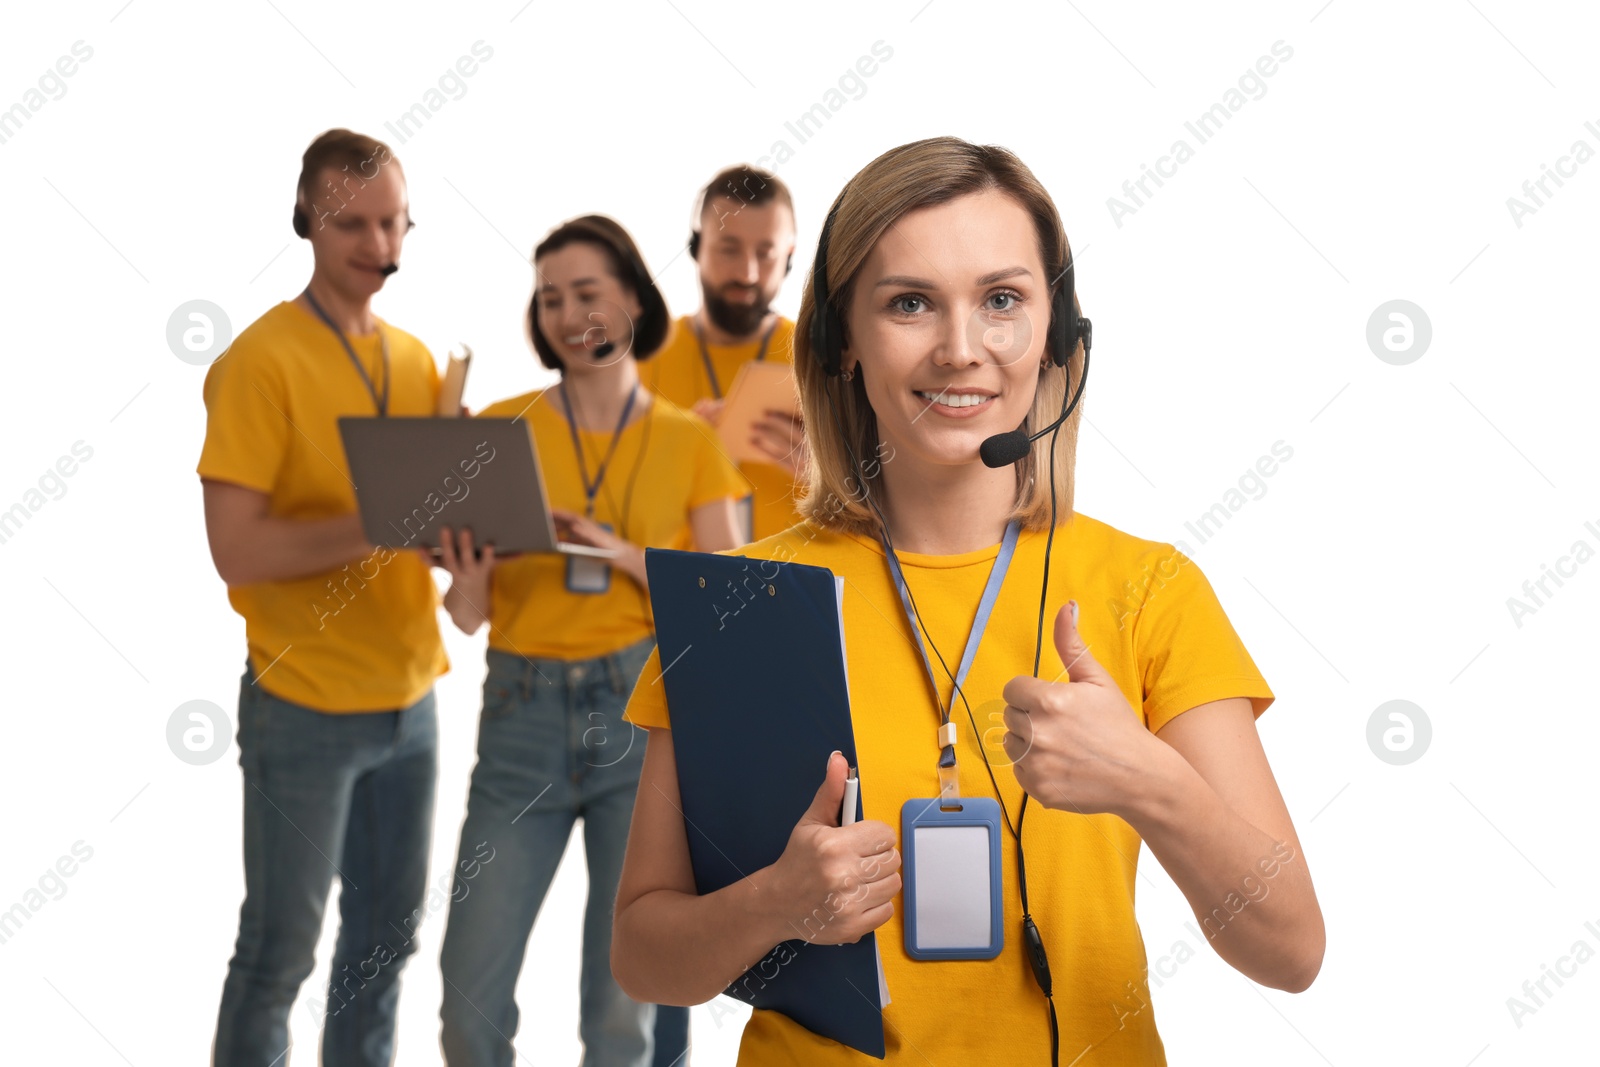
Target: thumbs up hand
[[1076, 745]]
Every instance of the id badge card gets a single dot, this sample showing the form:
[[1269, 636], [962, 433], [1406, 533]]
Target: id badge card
[[588, 575], [952, 879]]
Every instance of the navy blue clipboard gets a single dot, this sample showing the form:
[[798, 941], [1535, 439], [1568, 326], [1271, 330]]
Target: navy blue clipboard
[[752, 660]]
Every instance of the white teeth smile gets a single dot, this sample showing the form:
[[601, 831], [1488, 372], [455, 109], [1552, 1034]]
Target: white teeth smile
[[962, 400]]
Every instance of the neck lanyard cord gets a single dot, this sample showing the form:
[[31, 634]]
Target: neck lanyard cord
[[980, 622], [705, 354], [592, 489], [381, 402]]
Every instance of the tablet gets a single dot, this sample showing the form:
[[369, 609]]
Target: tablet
[[415, 475], [758, 386]]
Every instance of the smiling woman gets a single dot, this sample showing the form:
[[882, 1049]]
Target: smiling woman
[[941, 315], [567, 636]]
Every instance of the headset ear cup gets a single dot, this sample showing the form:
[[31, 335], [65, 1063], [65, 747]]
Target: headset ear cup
[[827, 338], [788, 265], [827, 329], [835, 339], [302, 225], [694, 245], [820, 340], [1062, 335]]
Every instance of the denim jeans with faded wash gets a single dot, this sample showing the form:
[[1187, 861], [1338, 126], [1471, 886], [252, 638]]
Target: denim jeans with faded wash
[[552, 749], [347, 796]]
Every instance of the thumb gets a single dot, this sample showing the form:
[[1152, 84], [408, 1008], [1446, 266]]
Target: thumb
[[824, 809], [1079, 662]]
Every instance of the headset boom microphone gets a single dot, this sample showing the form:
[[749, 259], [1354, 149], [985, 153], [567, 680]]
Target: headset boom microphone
[[1004, 449]]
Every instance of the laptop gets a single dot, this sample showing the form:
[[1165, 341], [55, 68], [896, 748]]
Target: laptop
[[414, 475]]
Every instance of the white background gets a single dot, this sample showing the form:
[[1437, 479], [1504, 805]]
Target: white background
[[1230, 312]]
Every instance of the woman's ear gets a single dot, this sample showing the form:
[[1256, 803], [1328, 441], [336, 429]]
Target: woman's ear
[[633, 305]]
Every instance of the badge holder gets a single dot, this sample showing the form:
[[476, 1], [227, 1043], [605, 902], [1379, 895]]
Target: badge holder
[[952, 878], [588, 575]]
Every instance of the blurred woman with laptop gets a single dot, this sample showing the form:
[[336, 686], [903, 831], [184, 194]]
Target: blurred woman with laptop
[[568, 637]]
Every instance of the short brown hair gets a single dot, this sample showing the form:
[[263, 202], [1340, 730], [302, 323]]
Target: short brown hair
[[916, 175], [627, 266], [749, 185], [336, 148]]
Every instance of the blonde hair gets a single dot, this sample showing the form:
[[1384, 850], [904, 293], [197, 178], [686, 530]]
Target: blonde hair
[[916, 175]]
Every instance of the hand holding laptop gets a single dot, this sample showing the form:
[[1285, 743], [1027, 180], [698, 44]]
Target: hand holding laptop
[[471, 575], [577, 529]]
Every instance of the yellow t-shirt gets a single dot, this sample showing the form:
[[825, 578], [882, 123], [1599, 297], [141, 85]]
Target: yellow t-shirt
[[1152, 620], [364, 637], [678, 373], [670, 459]]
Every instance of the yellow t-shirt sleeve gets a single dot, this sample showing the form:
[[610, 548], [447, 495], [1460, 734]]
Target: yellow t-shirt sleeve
[[715, 476], [647, 706], [247, 421], [1188, 653]]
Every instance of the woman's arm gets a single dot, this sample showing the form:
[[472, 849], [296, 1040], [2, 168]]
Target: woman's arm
[[1216, 821], [715, 526], [672, 946], [669, 945], [629, 558], [1201, 795]]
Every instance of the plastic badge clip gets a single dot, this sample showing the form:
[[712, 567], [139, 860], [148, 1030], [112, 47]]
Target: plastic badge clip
[[949, 784]]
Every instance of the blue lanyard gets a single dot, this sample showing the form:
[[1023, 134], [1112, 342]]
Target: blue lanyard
[[980, 622], [380, 402], [705, 356], [592, 489]]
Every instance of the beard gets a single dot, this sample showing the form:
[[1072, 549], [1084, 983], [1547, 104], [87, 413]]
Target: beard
[[730, 317]]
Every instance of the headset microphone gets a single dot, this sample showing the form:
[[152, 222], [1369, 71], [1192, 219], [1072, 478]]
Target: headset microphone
[[604, 349], [1004, 449], [388, 269]]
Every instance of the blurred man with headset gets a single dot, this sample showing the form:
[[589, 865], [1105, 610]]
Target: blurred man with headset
[[742, 242], [337, 731]]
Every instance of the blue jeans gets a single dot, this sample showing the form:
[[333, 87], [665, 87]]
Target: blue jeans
[[552, 748], [324, 795]]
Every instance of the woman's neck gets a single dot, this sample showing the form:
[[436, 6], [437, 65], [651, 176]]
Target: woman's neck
[[945, 511], [598, 395], [351, 314]]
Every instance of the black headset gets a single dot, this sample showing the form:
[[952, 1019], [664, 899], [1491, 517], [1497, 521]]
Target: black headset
[[694, 234], [827, 327], [302, 224]]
